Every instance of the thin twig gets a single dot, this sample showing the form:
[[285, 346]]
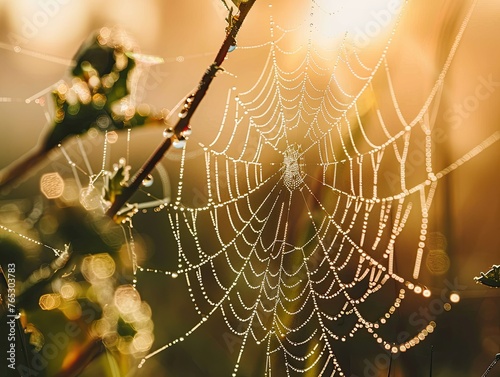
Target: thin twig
[[13, 173]]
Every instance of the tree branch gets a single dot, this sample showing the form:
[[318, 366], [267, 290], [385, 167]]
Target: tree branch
[[191, 105]]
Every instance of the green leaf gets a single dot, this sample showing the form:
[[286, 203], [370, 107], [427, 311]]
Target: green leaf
[[99, 93]]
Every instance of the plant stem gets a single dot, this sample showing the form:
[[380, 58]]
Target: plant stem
[[13, 173], [91, 351], [183, 122]]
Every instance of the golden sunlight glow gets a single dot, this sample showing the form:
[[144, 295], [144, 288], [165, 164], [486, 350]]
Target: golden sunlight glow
[[437, 262], [98, 267], [52, 185], [454, 297], [143, 13], [44, 22], [111, 137], [143, 341], [127, 299], [362, 20], [49, 301], [68, 291]]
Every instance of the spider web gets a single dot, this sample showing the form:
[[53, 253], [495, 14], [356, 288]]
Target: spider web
[[294, 235], [302, 233]]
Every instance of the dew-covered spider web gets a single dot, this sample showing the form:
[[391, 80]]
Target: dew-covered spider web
[[301, 218]]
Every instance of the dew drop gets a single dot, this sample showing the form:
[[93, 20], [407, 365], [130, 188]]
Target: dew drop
[[148, 181], [90, 198], [186, 132], [232, 48], [179, 143], [168, 132]]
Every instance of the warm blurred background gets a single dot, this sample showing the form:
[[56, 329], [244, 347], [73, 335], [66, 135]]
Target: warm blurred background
[[38, 39]]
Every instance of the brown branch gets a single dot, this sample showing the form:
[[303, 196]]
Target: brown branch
[[13, 173], [183, 122]]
